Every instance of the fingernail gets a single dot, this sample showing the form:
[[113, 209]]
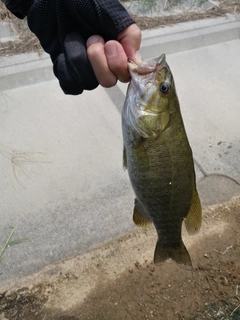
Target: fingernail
[[138, 58], [111, 50], [92, 40]]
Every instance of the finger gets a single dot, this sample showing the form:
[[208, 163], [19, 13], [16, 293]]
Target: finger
[[98, 60], [117, 60], [72, 67], [130, 39]]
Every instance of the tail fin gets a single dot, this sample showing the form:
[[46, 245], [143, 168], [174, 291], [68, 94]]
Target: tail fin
[[178, 253]]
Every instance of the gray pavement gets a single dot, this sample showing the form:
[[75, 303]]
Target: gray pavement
[[62, 183]]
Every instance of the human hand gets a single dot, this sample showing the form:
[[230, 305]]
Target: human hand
[[64, 26], [109, 60]]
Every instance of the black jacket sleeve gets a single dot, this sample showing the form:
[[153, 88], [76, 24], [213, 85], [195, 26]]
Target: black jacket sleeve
[[63, 26]]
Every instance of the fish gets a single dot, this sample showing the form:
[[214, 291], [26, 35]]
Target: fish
[[159, 159]]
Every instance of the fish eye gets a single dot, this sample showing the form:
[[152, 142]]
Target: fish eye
[[165, 87]]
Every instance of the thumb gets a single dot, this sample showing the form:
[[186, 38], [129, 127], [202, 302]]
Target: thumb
[[130, 39]]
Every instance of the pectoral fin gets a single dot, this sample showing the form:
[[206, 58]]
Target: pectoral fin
[[140, 216], [194, 216]]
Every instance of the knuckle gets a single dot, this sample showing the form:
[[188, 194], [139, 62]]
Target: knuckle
[[94, 50], [108, 82]]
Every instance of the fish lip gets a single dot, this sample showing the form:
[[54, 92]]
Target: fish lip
[[146, 69], [142, 69]]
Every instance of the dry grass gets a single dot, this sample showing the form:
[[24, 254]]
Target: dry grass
[[27, 41], [224, 7]]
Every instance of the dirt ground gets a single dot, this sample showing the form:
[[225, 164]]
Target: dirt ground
[[27, 41], [118, 280]]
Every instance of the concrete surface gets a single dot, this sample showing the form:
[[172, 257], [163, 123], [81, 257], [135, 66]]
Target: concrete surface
[[62, 183]]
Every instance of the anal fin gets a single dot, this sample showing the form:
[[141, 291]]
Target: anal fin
[[140, 216], [194, 216]]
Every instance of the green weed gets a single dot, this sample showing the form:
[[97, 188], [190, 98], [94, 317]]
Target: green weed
[[10, 242]]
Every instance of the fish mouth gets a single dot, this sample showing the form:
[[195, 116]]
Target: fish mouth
[[141, 69], [146, 67], [144, 74]]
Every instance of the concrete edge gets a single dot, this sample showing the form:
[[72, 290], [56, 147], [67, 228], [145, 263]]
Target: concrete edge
[[135, 239], [27, 69], [189, 35]]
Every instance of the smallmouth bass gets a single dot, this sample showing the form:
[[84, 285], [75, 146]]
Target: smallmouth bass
[[159, 159]]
